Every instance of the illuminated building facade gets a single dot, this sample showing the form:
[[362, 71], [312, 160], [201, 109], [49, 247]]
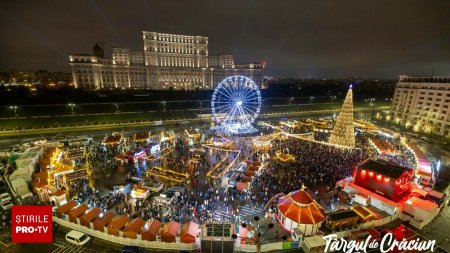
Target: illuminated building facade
[[167, 61], [423, 103]]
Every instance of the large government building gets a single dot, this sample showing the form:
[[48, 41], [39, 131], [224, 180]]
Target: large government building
[[423, 103], [166, 61]]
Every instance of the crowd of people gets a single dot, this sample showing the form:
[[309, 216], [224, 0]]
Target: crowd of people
[[314, 165]]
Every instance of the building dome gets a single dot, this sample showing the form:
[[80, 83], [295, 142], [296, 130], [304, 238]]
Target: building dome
[[299, 209]]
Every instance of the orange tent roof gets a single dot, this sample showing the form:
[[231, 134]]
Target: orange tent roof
[[118, 222], [189, 232], [77, 212], [300, 207], [59, 193], [151, 230], [135, 225], [90, 216], [170, 231], [101, 222], [113, 139], [241, 185], [133, 228], [142, 136], [171, 228], [65, 208]]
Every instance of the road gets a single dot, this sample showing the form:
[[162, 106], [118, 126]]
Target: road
[[9, 137], [59, 245]]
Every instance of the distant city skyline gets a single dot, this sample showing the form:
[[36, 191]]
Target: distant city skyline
[[317, 39]]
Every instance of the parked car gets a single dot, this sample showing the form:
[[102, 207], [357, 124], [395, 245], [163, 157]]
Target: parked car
[[77, 238]]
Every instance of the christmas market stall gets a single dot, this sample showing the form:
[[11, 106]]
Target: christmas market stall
[[151, 230], [102, 221], [420, 209], [64, 209], [58, 198], [189, 232], [341, 219], [363, 213], [139, 192], [117, 224], [423, 165], [113, 140], [141, 137], [133, 228], [170, 231], [77, 212], [87, 218]]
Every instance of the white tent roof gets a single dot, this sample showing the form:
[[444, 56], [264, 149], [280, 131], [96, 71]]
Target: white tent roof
[[422, 204], [25, 162], [20, 187], [21, 173]]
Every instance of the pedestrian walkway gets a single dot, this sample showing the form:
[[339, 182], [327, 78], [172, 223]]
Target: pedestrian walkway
[[249, 211], [221, 214]]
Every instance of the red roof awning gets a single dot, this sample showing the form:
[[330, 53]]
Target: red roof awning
[[242, 186]]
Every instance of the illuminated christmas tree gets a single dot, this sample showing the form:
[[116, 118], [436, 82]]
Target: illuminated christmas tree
[[343, 132]]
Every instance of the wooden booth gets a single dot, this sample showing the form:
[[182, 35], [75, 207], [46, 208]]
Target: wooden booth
[[133, 228], [189, 232], [170, 231], [117, 224], [151, 230], [77, 212], [65, 208], [86, 219], [102, 221], [341, 219], [363, 213]]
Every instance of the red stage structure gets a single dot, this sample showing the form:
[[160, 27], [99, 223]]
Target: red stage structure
[[388, 180]]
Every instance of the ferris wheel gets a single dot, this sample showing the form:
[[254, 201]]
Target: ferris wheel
[[236, 102]]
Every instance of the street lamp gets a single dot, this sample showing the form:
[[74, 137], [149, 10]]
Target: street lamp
[[117, 107], [71, 105], [14, 107], [291, 99], [164, 106]]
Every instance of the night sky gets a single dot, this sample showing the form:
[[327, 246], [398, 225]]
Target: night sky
[[310, 38]]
